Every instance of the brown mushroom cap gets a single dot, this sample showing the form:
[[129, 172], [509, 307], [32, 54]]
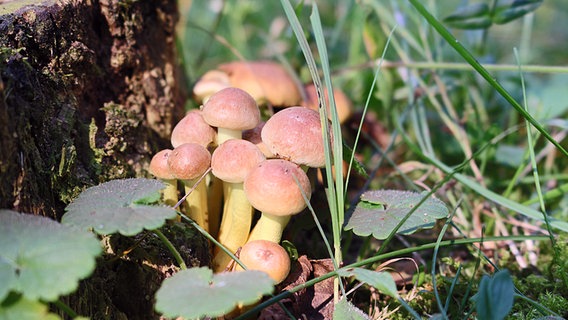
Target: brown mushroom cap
[[271, 188], [266, 81], [231, 108], [295, 134], [342, 103], [192, 128], [159, 165], [209, 83], [233, 160], [189, 161], [266, 256], [253, 135]]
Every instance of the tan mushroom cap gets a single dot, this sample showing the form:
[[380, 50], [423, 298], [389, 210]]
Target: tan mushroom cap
[[254, 135], [209, 83], [266, 81], [231, 108], [266, 256], [189, 161], [295, 134], [343, 105], [193, 129], [271, 188], [159, 165], [234, 159]]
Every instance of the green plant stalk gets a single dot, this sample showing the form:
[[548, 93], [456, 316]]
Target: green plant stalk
[[335, 188], [557, 256], [171, 248], [65, 308], [384, 256], [441, 308], [330, 191], [452, 41]]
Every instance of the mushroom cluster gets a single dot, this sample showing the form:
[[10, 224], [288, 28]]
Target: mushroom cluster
[[232, 163]]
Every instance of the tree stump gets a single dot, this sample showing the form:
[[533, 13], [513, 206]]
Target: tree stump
[[89, 91]]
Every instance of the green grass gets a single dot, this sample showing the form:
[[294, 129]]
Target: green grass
[[477, 117]]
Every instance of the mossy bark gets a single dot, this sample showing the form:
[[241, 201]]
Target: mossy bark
[[88, 92]]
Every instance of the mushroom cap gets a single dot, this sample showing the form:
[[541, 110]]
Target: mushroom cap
[[266, 256], [209, 83], [189, 161], [231, 108], [266, 81], [253, 135], [271, 188], [233, 160], [343, 105], [295, 134], [192, 128], [159, 165]]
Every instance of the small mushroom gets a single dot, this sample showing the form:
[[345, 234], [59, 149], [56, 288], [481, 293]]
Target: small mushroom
[[276, 187], [159, 168], [231, 110], [188, 162], [231, 162], [266, 256], [209, 83], [192, 128]]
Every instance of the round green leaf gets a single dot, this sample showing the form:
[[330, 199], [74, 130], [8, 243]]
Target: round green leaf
[[196, 292], [345, 310], [24, 309], [495, 297], [380, 211], [42, 259], [119, 205]]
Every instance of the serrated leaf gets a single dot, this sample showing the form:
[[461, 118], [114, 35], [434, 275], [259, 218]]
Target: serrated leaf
[[24, 309], [494, 299], [474, 16], [194, 293], [42, 259], [119, 206], [514, 9], [379, 212], [382, 281], [345, 310]]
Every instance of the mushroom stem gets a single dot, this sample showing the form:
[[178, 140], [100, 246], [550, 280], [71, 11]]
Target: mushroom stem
[[224, 134], [269, 227], [235, 224], [214, 203], [196, 202], [170, 192]]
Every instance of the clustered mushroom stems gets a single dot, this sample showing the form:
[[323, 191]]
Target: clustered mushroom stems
[[277, 184]]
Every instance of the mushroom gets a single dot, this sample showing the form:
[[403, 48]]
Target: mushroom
[[342, 103], [295, 134], [192, 128], [253, 135], [266, 81], [231, 110], [188, 162], [276, 187], [265, 256], [209, 83], [159, 168], [231, 162]]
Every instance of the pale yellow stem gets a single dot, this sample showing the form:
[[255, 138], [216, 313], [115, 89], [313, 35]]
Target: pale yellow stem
[[196, 203], [269, 227]]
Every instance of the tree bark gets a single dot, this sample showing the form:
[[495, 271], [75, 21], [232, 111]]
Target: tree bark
[[89, 91]]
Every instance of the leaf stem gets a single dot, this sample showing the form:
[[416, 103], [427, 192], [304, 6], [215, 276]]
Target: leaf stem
[[171, 248]]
